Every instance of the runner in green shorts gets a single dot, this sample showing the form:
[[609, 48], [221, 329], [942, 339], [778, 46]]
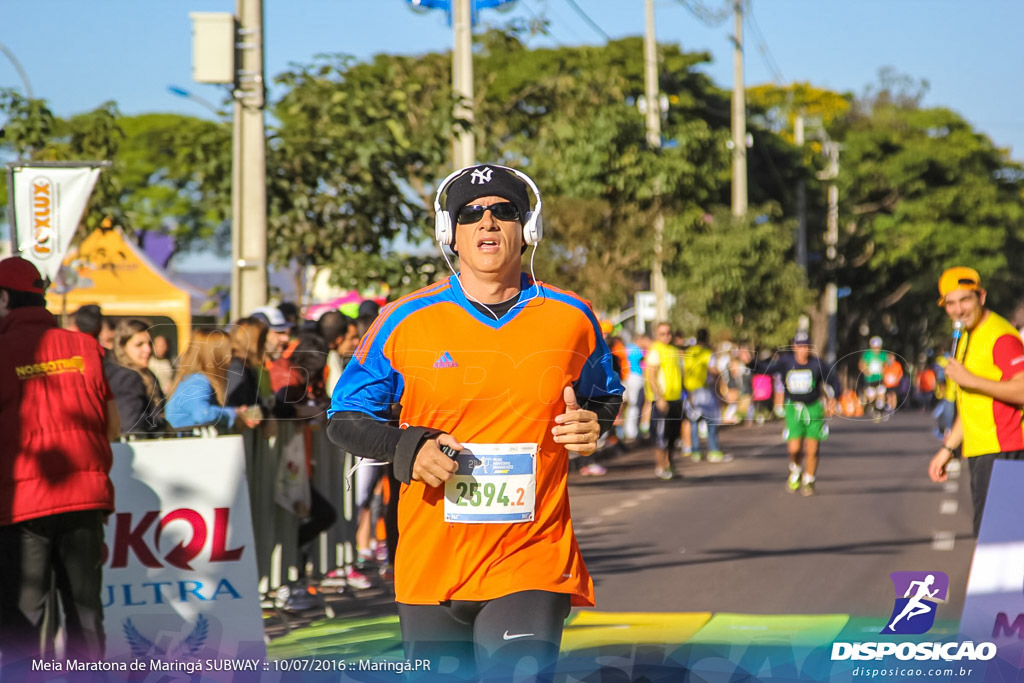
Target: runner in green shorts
[[806, 421], [804, 377]]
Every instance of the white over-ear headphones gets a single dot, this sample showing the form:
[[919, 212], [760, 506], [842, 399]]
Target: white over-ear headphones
[[444, 224]]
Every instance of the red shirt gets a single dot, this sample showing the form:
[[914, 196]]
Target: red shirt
[[54, 453]]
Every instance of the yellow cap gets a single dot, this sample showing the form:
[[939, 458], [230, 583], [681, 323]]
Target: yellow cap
[[606, 327], [959, 277]]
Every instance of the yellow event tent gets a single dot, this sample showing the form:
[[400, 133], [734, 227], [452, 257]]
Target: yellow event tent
[[113, 273]]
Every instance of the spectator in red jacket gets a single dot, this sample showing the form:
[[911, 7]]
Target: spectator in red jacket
[[57, 417]]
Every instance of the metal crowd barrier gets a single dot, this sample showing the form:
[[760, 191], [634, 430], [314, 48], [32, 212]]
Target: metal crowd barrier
[[275, 529]]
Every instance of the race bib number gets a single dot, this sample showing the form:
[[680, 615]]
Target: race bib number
[[496, 483], [799, 381], [875, 367]]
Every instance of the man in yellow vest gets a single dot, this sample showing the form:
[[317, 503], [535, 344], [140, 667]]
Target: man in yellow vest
[[664, 375], [988, 369], [702, 409]]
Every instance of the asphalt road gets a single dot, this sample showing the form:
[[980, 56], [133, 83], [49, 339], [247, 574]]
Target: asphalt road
[[729, 538]]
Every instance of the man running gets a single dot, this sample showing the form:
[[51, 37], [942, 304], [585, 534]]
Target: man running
[[499, 377], [872, 366], [804, 376]]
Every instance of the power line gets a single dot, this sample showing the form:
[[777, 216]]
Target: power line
[[762, 46], [586, 18], [556, 19], [707, 16], [542, 20]]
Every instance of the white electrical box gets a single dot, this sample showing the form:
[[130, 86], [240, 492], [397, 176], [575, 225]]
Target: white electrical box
[[213, 47]]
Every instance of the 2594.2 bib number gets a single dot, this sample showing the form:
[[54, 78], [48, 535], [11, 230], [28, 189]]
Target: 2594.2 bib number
[[475, 494]]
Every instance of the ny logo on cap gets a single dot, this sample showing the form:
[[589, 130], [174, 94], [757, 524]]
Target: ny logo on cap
[[481, 176]]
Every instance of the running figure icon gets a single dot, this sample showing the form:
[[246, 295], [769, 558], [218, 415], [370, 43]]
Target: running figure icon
[[916, 605]]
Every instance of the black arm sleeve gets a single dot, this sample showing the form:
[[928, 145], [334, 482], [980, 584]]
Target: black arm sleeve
[[607, 409], [364, 436]]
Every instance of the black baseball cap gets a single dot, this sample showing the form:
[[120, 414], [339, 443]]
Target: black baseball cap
[[487, 180]]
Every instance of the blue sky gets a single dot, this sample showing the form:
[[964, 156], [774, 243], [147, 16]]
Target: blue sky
[[79, 54]]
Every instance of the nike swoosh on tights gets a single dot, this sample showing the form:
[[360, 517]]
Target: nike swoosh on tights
[[513, 636]]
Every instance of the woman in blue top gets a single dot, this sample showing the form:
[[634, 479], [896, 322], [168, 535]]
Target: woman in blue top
[[200, 385]]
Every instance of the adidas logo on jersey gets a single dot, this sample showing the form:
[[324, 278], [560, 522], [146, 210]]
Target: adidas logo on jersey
[[445, 361]]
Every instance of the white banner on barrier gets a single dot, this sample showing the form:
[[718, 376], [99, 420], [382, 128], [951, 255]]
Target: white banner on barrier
[[179, 571], [48, 204]]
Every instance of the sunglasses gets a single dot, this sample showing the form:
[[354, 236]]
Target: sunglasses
[[503, 211]]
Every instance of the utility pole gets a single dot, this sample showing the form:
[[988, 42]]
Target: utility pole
[[653, 117], [464, 145], [249, 166], [801, 202], [739, 119], [831, 295]]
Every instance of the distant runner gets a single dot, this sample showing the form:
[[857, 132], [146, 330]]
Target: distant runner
[[804, 377], [872, 370]]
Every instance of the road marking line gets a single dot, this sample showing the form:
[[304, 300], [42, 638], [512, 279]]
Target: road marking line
[[943, 540], [948, 507], [630, 504], [951, 487]]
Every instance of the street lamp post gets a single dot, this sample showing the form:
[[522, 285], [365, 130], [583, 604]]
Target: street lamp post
[[21, 72], [202, 101]]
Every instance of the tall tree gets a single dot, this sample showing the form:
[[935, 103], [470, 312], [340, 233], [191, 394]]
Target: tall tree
[[352, 160], [569, 116], [920, 190], [33, 133], [175, 174]]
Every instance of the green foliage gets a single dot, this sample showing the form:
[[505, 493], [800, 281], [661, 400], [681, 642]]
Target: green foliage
[[920, 191], [737, 273], [568, 116], [30, 124], [355, 150], [35, 134], [402, 272], [96, 135], [168, 172], [353, 156], [176, 171]]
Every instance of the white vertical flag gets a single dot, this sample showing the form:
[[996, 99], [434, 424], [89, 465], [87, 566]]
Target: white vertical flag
[[48, 204]]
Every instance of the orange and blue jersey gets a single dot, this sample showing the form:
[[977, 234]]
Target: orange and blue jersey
[[993, 350], [456, 369]]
